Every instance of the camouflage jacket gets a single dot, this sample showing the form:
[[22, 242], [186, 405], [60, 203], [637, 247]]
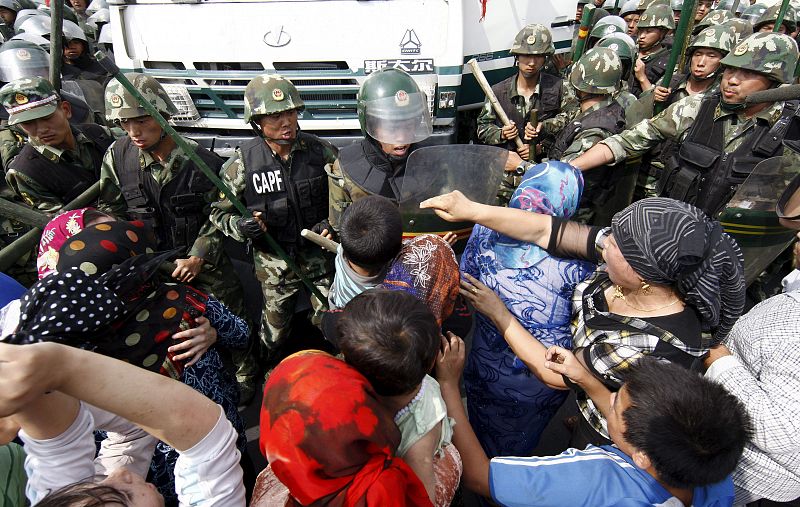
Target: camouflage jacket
[[585, 139], [208, 244], [342, 192], [674, 122], [31, 191], [488, 130], [223, 213]]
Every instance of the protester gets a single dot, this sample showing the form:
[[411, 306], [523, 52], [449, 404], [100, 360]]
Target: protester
[[508, 407]]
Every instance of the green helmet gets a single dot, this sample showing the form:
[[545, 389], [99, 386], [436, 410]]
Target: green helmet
[[28, 99], [392, 109], [646, 4], [270, 94], [120, 104], [19, 59], [719, 37], [607, 26], [676, 5], [533, 40], [598, 71], [771, 54], [754, 12], [741, 28], [625, 48], [657, 16], [73, 32], [771, 16], [12, 5]]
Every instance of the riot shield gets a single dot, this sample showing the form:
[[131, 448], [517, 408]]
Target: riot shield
[[750, 216], [475, 170]]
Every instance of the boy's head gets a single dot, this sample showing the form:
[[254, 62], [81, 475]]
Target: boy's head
[[371, 232], [690, 430], [391, 338]]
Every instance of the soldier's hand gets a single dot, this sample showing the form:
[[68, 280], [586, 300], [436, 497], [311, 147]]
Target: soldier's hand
[[638, 70], [524, 152], [514, 159], [532, 132], [453, 207], [187, 269], [324, 229], [252, 227], [509, 132], [660, 94]]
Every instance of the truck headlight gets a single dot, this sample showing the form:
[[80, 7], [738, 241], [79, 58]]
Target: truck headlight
[[183, 101]]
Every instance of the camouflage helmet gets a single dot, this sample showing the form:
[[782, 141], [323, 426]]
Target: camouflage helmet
[[12, 5], [771, 54], [598, 72], [607, 26], [646, 4], [629, 7], [657, 16], [771, 16], [121, 104], [676, 5], [741, 28], [270, 94], [533, 39], [727, 5], [754, 12], [715, 17], [719, 37], [392, 109], [28, 99]]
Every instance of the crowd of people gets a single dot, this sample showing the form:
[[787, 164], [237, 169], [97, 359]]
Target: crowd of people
[[598, 271]]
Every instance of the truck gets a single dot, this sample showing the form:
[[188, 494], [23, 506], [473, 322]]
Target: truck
[[204, 52]]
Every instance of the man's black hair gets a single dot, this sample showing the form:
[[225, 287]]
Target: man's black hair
[[371, 232], [391, 338], [692, 429]]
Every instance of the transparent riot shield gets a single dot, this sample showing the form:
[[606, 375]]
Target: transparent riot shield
[[475, 170], [750, 216]]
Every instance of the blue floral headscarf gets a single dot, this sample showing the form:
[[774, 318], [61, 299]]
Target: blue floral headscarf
[[551, 188]]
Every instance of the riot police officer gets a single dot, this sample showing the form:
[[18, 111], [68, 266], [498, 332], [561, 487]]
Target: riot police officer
[[280, 176], [527, 90], [60, 160], [653, 26], [719, 138], [393, 113], [145, 176]]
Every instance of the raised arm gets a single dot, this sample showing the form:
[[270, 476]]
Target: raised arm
[[179, 415], [518, 224]]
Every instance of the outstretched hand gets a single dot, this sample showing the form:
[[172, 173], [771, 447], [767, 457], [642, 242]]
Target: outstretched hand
[[453, 207]]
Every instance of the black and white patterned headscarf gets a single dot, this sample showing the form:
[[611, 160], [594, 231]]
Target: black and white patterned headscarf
[[673, 243]]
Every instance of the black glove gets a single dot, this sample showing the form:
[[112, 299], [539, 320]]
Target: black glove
[[249, 227], [324, 225]]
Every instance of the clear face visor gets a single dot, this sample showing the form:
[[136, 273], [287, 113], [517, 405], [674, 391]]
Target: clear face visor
[[403, 118], [19, 63]]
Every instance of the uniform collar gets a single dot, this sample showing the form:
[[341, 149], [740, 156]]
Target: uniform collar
[[515, 93], [146, 159], [769, 114], [54, 154], [607, 101]]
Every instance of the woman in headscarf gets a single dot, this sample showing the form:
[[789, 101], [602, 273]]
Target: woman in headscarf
[[508, 407], [329, 440], [670, 285], [62, 227], [106, 295]]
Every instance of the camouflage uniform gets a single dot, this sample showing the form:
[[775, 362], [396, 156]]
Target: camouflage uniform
[[83, 161], [531, 40], [719, 37], [771, 16], [279, 284], [655, 16], [771, 54], [598, 72]]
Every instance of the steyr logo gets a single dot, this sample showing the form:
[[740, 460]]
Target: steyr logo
[[277, 38], [409, 44]]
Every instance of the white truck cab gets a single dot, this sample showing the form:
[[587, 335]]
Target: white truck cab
[[205, 51]]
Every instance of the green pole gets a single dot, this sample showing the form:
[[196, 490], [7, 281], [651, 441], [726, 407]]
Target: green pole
[[24, 244], [678, 47], [583, 31], [56, 41], [112, 69], [781, 15]]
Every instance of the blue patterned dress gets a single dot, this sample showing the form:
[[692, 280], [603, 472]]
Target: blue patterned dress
[[508, 406]]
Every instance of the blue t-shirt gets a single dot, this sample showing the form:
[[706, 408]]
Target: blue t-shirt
[[597, 476]]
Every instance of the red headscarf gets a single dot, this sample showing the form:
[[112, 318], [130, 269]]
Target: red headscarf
[[62, 227], [329, 439]]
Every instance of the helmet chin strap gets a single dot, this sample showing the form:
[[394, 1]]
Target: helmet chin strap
[[260, 133], [155, 145]]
